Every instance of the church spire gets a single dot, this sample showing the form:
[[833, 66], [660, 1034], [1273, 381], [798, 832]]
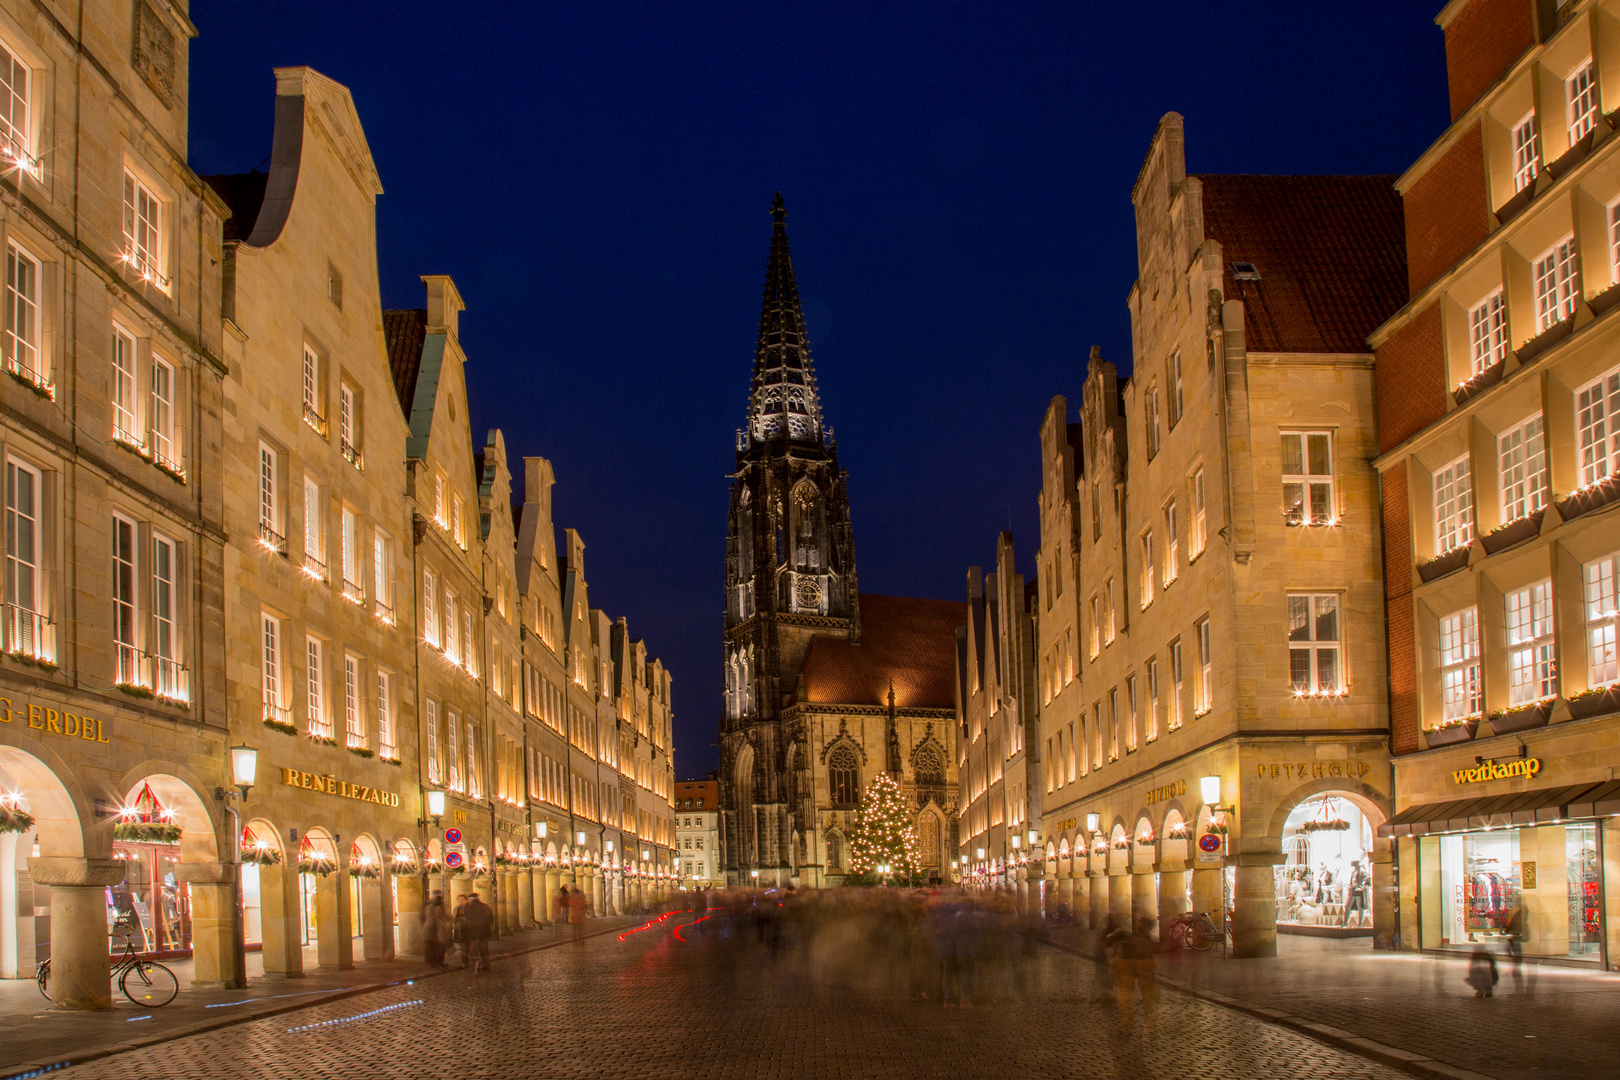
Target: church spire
[[783, 403]]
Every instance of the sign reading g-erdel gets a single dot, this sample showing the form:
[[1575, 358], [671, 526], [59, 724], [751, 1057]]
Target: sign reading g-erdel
[[333, 786]]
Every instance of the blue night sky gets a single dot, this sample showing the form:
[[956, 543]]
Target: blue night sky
[[597, 178]]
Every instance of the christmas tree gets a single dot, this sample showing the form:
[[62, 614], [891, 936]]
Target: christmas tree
[[885, 834]]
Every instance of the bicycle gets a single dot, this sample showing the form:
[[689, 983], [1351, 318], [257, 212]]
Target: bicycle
[[1063, 916], [146, 983], [1195, 931]]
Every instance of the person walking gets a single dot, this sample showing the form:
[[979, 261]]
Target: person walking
[[559, 908], [458, 927], [576, 913], [1482, 973], [478, 922], [435, 930], [1135, 970]]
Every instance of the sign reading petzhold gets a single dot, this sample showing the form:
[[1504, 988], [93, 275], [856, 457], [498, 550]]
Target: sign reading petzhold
[[333, 786]]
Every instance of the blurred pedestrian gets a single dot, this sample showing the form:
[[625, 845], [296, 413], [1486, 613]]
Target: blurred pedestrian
[[478, 922], [1482, 973], [1135, 970], [559, 908], [1517, 927], [458, 927], [1355, 901], [576, 913], [435, 930]]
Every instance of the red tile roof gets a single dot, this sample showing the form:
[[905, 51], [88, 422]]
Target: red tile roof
[[705, 794], [909, 642], [405, 330], [1331, 252]]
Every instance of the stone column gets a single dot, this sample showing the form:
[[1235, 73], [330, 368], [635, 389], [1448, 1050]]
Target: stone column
[[1207, 890], [1097, 885], [1383, 893], [553, 879], [459, 885], [213, 922], [1144, 904], [525, 900], [1119, 901], [595, 891], [1172, 897], [1254, 905], [1080, 890], [410, 914], [283, 950], [334, 947], [376, 926], [1406, 854], [81, 978], [1065, 891]]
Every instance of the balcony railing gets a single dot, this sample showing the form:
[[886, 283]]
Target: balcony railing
[[29, 635], [34, 380], [353, 593], [314, 567], [278, 714], [167, 463], [272, 539], [145, 673], [351, 454], [383, 611], [314, 419]]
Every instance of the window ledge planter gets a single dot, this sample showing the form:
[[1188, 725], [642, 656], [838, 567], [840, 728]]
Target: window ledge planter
[[1590, 498], [1573, 156], [1480, 383], [1545, 340], [1514, 532], [1605, 301], [1441, 565], [277, 725], [1523, 718], [1451, 734], [1605, 699], [1510, 209]]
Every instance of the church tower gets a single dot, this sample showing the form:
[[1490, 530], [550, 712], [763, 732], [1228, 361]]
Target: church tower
[[790, 575]]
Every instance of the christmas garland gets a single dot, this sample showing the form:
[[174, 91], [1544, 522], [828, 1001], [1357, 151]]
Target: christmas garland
[[366, 871], [1217, 828], [147, 832], [14, 819], [1333, 825], [261, 856], [320, 866]]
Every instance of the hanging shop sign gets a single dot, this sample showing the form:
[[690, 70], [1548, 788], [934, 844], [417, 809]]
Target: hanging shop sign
[[331, 785], [1168, 791], [56, 721], [1490, 769], [1313, 770]]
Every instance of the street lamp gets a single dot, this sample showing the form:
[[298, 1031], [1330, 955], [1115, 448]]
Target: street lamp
[[980, 854], [1017, 841], [1092, 821], [435, 807], [540, 830], [244, 764]]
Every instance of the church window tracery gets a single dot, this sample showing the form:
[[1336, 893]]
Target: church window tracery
[[844, 776]]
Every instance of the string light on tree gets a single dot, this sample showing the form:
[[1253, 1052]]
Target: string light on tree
[[884, 831]]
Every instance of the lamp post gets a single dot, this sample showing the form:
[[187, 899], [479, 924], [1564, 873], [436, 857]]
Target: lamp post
[[1210, 788], [244, 762]]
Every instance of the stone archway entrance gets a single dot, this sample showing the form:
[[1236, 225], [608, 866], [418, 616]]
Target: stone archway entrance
[[1324, 884]]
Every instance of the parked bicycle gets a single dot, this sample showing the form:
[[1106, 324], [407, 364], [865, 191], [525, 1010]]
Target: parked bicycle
[[1063, 916], [146, 983], [1194, 930]]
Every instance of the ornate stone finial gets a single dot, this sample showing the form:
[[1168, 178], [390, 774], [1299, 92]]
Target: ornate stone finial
[[779, 208]]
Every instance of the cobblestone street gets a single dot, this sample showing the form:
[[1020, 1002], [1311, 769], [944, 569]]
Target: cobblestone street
[[661, 1003]]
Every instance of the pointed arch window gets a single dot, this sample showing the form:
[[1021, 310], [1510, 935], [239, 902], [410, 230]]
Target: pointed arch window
[[844, 776], [928, 764]]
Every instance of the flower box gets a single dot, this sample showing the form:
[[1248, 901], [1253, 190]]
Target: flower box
[[1514, 532], [1592, 497], [147, 832], [1521, 199], [363, 751], [1545, 340], [1573, 156], [277, 725], [1605, 301], [1480, 383], [1522, 718], [1441, 565], [1605, 699], [1451, 734]]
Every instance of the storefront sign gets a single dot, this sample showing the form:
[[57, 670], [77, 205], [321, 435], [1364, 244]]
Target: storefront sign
[[57, 722], [458, 816], [1168, 791], [1497, 770], [1066, 824], [507, 827], [1314, 770], [331, 785]]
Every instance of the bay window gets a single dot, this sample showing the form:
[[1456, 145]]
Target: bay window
[[1532, 659], [1461, 691], [1602, 660]]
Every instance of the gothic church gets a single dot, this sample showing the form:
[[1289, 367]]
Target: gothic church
[[824, 686]]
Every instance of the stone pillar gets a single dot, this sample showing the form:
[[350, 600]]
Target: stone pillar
[[509, 902], [525, 900], [459, 885], [1254, 905], [1080, 889], [411, 903], [595, 891], [213, 935], [376, 926], [1383, 893], [1065, 891], [81, 978], [334, 947], [1097, 885], [553, 878], [1172, 898], [1207, 890], [1119, 901], [283, 950], [1144, 902]]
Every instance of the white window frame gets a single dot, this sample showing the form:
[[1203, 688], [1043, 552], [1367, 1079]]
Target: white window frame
[[1315, 490], [349, 426], [382, 569], [1600, 578], [1133, 707], [452, 726], [354, 717], [1462, 690], [1613, 212], [1151, 410], [313, 416], [1526, 158], [1177, 681], [1096, 626], [168, 676], [163, 426], [431, 724], [430, 608], [1580, 97], [475, 781], [270, 534], [272, 669], [1109, 632], [17, 114], [1172, 546], [1597, 428], [1521, 458], [125, 407], [1206, 668], [1153, 691], [314, 530], [354, 589], [1200, 517], [125, 594], [1557, 284], [1173, 383], [1453, 506], [1306, 639], [145, 231], [1147, 568], [317, 718], [24, 354], [1487, 334], [1532, 643], [449, 637]]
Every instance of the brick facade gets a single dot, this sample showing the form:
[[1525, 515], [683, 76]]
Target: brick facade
[[1411, 379], [1446, 211], [1481, 42], [1403, 706]]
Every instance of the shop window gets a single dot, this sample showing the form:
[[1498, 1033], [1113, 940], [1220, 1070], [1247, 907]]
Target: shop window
[[1522, 461], [1557, 284], [1602, 659], [1313, 645], [151, 897], [1526, 160], [1597, 431], [1453, 506], [1487, 334], [1461, 692], [1532, 659], [1326, 877]]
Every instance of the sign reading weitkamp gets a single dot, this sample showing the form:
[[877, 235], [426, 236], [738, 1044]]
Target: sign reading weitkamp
[[1491, 769]]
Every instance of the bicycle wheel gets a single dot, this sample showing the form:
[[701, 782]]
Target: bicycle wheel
[[149, 984], [1201, 939], [43, 979]]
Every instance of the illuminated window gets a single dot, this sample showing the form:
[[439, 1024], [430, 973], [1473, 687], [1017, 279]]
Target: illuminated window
[[1525, 158], [275, 705], [430, 721], [1146, 584], [1453, 506], [1580, 90], [1173, 385], [1150, 403], [164, 447], [1602, 661], [354, 717], [16, 142], [143, 231], [22, 318], [316, 718], [1522, 459], [1132, 712], [1206, 669], [125, 643], [1532, 650], [1307, 477], [1172, 542], [1557, 284], [1200, 518], [1487, 334], [387, 740], [270, 499], [1597, 428], [126, 427], [1461, 692], [1313, 644]]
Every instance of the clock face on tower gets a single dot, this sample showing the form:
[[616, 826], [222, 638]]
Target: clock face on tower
[[807, 591]]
